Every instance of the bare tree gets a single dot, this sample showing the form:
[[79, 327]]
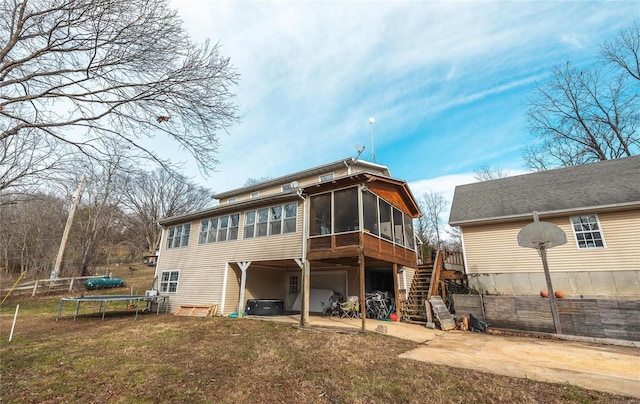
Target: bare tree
[[486, 173], [433, 206], [93, 224], [424, 234], [27, 161], [27, 242], [85, 72], [252, 181], [624, 51], [149, 197], [587, 115]]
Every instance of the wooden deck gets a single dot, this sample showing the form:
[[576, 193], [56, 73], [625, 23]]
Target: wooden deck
[[376, 250]]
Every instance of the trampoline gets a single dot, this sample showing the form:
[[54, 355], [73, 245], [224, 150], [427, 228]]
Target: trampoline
[[104, 299]]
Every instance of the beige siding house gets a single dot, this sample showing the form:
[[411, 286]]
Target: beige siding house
[[344, 227], [596, 205]]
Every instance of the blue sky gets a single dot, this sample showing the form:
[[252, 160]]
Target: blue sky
[[446, 82]]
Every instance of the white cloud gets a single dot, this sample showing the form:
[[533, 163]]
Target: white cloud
[[313, 72]]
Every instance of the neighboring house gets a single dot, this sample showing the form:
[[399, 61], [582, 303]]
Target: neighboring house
[[598, 207], [344, 227]]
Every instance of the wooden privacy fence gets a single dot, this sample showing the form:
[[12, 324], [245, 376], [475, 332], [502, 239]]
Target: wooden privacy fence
[[598, 318], [48, 285]]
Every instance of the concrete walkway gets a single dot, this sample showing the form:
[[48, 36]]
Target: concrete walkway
[[608, 368]]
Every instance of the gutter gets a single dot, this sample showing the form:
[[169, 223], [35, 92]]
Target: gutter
[[547, 214], [227, 207], [300, 175], [304, 224]]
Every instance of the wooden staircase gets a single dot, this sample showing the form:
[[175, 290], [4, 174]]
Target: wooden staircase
[[431, 279], [413, 307]]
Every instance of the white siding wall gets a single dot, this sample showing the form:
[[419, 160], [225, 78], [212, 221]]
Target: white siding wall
[[494, 248], [202, 266], [497, 265]]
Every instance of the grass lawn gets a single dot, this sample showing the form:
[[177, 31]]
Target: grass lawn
[[180, 359]]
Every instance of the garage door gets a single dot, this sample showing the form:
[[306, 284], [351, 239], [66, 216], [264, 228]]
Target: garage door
[[334, 280]]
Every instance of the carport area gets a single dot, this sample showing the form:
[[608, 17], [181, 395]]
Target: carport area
[[285, 280]]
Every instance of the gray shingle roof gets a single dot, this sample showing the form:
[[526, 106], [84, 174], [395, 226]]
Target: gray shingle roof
[[604, 184]]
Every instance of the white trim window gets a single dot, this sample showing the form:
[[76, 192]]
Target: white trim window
[[217, 229], [271, 221], [290, 217], [326, 177], [587, 232], [178, 236], [169, 281]]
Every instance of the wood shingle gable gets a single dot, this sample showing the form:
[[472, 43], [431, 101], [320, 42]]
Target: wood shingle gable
[[611, 184]]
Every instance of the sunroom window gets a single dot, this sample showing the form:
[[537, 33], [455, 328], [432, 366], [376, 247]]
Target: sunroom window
[[221, 228], [398, 232], [338, 212], [178, 236], [270, 221], [346, 210], [290, 215], [320, 215], [370, 213], [408, 232], [385, 220], [262, 222]]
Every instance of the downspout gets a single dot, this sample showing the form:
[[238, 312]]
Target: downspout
[[348, 167], [304, 223], [155, 273]]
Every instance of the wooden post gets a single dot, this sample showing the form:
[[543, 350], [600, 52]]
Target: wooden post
[[243, 284], [552, 296], [306, 282], [427, 308], [363, 311], [71, 284], [35, 288], [396, 292], [542, 249]]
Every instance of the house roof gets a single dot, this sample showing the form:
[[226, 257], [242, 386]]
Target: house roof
[[233, 207], [606, 185], [286, 179], [393, 190]]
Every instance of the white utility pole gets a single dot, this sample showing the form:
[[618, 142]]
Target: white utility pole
[[372, 120], [65, 236]]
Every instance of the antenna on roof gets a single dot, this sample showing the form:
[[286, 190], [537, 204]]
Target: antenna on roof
[[360, 149], [372, 120]]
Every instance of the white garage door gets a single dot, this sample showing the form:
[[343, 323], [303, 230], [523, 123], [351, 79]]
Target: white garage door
[[334, 280]]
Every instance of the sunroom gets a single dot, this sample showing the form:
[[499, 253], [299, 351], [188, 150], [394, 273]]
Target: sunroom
[[363, 222]]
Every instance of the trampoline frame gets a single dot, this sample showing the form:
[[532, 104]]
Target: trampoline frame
[[104, 299]]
